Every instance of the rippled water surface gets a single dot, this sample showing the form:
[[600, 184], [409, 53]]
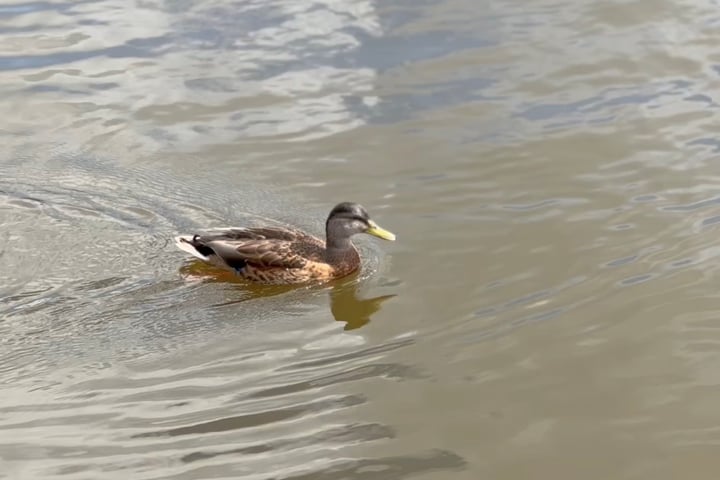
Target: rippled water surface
[[550, 309]]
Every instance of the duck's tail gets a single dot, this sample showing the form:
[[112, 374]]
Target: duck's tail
[[186, 243]]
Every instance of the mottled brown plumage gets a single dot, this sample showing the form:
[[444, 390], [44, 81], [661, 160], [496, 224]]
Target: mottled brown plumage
[[278, 255]]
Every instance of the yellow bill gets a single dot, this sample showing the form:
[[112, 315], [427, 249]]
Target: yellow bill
[[377, 231]]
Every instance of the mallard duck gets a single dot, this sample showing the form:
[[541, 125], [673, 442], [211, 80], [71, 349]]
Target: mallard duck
[[279, 255]]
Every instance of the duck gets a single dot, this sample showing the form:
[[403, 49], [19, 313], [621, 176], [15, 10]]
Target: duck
[[277, 255]]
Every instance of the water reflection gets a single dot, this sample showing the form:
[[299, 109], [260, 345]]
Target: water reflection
[[257, 419], [346, 305], [336, 435]]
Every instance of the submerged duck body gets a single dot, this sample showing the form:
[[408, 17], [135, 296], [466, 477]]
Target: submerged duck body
[[278, 255]]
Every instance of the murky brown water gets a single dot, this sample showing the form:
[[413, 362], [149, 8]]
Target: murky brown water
[[550, 309]]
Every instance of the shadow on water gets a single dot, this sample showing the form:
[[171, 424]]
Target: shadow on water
[[346, 305]]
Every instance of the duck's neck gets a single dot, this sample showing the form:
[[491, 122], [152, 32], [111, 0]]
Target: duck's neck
[[338, 248]]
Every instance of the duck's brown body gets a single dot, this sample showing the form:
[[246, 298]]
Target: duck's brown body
[[277, 255], [271, 255]]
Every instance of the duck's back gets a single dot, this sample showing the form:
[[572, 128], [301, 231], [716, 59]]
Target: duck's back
[[271, 254]]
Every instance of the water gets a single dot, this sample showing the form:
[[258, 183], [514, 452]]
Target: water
[[549, 308]]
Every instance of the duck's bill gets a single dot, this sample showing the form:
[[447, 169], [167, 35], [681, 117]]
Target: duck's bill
[[377, 231]]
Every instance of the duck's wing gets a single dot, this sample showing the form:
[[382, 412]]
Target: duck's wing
[[262, 247], [255, 233], [263, 253]]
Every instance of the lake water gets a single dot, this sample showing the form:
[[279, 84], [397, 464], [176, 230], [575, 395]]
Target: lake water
[[549, 310]]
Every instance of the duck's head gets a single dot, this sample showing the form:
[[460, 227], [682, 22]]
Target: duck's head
[[347, 219]]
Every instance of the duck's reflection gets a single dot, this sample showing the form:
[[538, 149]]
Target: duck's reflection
[[345, 304], [347, 307]]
